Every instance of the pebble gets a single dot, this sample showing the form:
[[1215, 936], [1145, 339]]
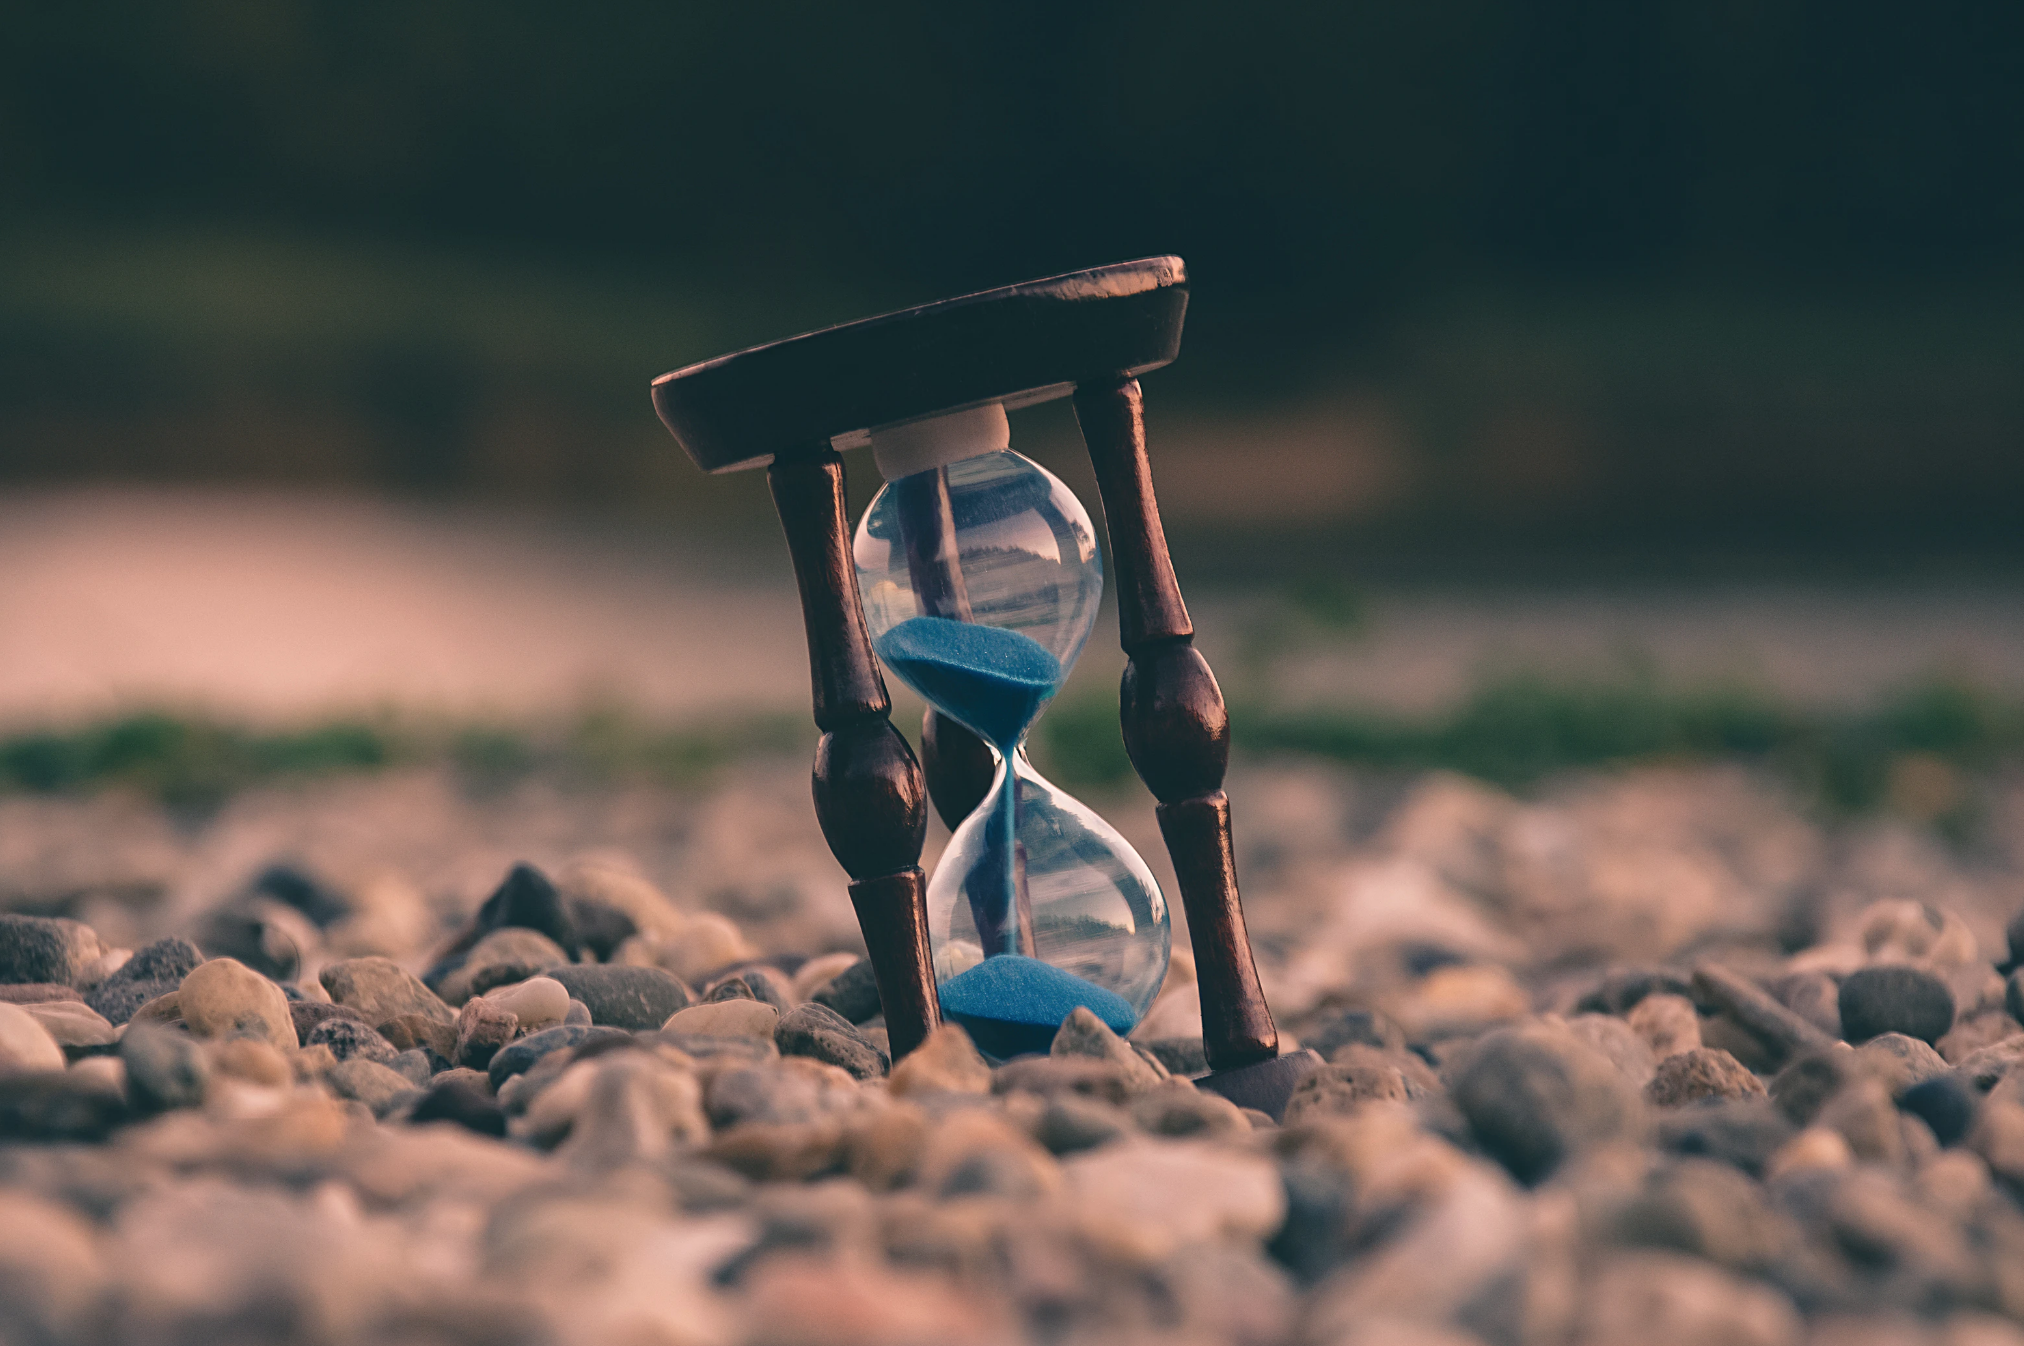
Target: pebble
[[378, 1087], [1533, 1097], [349, 1039], [1180, 1056], [527, 899], [1895, 999], [625, 997], [497, 959], [154, 970], [1618, 1043], [253, 1060], [853, 993], [1177, 1108], [1668, 1024], [72, 1023], [381, 990], [1813, 996], [484, 1025], [763, 984], [524, 1052], [1899, 1061], [1668, 1299], [58, 1106], [224, 997], [465, 1102], [409, 1032], [1154, 1196], [1945, 1104], [726, 1019], [1779, 1028], [1084, 1035], [600, 926], [817, 973], [1745, 1133], [822, 1034], [25, 1045], [947, 1062], [44, 949], [538, 1002], [165, 1068], [1339, 1027], [1690, 1077], [637, 1111]]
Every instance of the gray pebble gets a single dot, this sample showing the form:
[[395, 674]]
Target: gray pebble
[[36, 949], [618, 996], [165, 1068], [853, 993], [1071, 1123], [518, 1056], [1893, 999], [820, 1032], [1533, 1097], [349, 1039]]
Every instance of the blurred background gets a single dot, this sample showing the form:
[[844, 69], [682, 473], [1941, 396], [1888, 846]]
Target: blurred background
[[1564, 381]]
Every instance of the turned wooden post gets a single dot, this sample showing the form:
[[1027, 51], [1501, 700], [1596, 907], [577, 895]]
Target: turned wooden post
[[1175, 727], [869, 793]]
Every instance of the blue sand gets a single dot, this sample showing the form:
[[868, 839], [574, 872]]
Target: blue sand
[[991, 679], [995, 681], [1012, 1004]]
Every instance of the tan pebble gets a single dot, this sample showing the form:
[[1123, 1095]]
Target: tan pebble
[[108, 1071], [224, 997], [948, 1062], [726, 1019], [72, 1023], [26, 1045], [538, 1002], [1815, 1147], [1667, 1023], [312, 1063], [253, 1060]]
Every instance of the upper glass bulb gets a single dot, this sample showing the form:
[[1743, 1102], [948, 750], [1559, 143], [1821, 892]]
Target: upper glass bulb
[[980, 578]]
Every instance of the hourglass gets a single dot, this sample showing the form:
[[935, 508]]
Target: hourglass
[[975, 577]]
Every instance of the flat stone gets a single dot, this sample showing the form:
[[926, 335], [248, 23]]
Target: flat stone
[[72, 1023], [853, 993], [224, 997], [1704, 1073], [538, 1002], [349, 1040], [25, 1045], [165, 1068], [637, 998], [382, 990], [726, 1018], [378, 1087], [1533, 1097], [1895, 999], [821, 1033]]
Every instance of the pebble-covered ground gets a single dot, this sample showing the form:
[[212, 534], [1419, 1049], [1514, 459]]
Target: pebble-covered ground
[[1652, 1057]]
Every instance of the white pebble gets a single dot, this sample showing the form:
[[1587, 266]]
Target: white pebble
[[538, 1002]]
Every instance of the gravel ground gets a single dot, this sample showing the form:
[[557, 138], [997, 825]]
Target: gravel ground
[[1652, 1056]]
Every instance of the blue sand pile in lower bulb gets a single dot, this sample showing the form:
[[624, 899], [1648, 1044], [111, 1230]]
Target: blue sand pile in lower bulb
[[1012, 1004]]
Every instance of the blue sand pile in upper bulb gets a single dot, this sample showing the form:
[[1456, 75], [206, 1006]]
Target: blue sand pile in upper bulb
[[991, 679], [1013, 1004]]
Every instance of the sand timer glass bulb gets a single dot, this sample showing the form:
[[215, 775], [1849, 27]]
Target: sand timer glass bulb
[[980, 579]]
